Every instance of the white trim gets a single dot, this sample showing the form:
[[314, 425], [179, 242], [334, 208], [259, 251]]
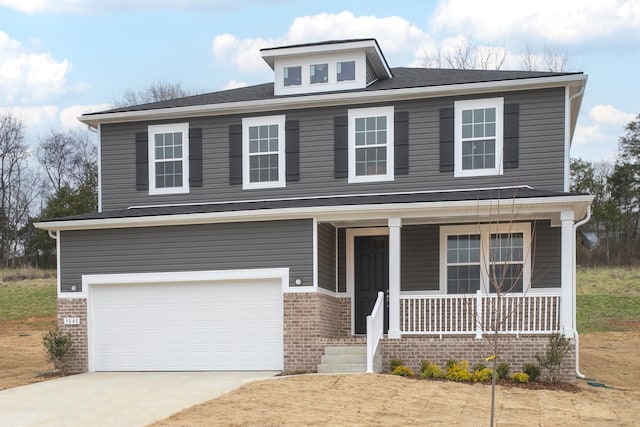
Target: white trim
[[460, 106], [88, 281], [182, 128], [314, 234], [395, 281], [59, 269], [248, 122], [567, 139], [358, 113], [332, 99], [350, 253], [99, 160], [475, 208], [485, 230]]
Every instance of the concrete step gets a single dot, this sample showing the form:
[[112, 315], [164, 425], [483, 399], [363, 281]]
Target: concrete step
[[342, 368], [343, 359], [346, 349]]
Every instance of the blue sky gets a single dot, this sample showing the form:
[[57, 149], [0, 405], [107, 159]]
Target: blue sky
[[61, 58]]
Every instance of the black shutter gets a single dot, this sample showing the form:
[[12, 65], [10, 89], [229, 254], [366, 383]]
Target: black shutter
[[511, 135], [142, 161], [401, 143], [340, 147], [195, 157], [292, 149], [446, 139], [235, 154]]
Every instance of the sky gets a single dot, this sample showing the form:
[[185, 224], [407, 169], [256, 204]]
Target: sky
[[62, 58]]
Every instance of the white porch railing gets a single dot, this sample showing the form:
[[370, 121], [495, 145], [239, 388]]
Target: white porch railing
[[375, 330], [478, 314]]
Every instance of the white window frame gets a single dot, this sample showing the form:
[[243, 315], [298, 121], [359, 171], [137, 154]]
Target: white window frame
[[485, 231], [358, 113], [263, 121], [498, 104], [153, 130]]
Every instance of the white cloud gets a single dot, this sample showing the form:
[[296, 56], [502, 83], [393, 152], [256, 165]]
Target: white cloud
[[567, 21], [69, 115], [609, 115], [396, 36], [232, 84], [27, 77], [33, 116]]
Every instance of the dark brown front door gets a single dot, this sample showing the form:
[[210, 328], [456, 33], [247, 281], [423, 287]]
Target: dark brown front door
[[371, 273]]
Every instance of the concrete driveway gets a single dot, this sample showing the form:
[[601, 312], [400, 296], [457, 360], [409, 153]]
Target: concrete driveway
[[115, 398]]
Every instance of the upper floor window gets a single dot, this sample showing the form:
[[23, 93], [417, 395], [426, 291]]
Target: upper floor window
[[263, 148], [319, 73], [346, 71], [478, 137], [292, 76], [371, 135], [169, 158]]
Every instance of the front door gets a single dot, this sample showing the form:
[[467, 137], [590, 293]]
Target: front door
[[371, 275]]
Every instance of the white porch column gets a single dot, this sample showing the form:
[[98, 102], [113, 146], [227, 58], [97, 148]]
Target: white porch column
[[395, 224], [567, 273]]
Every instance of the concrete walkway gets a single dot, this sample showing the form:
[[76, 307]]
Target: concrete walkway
[[115, 398]]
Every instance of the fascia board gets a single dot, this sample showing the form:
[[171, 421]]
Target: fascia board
[[331, 99], [353, 212]]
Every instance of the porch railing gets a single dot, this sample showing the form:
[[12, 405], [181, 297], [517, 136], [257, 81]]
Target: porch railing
[[480, 313], [375, 329]]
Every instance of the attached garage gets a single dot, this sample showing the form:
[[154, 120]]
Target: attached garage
[[188, 325]]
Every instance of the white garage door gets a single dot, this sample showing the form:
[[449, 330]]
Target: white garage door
[[233, 325]]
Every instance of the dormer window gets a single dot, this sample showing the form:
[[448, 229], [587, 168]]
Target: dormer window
[[292, 76], [319, 73], [346, 71]]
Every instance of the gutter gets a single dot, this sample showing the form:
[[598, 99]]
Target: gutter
[[575, 227]]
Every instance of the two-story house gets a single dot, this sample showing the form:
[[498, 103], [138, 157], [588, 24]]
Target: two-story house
[[255, 228]]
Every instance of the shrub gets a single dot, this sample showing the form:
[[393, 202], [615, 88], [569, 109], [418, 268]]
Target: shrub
[[394, 363], [430, 370], [532, 370], [458, 371], [558, 348], [56, 347], [450, 363], [403, 371], [479, 366], [503, 370], [520, 378], [482, 375]]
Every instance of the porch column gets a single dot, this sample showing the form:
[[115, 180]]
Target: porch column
[[395, 224], [567, 273]]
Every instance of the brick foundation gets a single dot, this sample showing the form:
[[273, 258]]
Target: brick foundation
[[78, 355], [522, 350]]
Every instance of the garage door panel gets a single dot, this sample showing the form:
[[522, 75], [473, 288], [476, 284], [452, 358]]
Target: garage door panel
[[190, 326]]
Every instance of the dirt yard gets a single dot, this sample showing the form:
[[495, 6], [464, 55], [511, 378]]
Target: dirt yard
[[385, 400]]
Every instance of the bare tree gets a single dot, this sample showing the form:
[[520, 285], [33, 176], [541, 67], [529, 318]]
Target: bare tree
[[68, 158], [554, 58], [157, 91], [467, 55]]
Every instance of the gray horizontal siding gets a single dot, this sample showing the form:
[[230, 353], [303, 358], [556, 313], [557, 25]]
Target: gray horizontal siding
[[546, 262], [342, 260], [420, 258], [276, 244], [327, 256], [541, 155]]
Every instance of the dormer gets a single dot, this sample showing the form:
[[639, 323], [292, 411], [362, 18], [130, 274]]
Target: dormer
[[326, 66]]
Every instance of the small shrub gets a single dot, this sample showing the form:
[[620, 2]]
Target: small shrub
[[56, 347], [450, 363], [479, 366], [394, 363], [459, 371], [430, 370], [482, 375], [520, 378], [503, 370], [532, 370], [558, 348], [403, 371]]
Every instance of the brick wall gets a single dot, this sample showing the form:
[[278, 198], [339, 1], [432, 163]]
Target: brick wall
[[522, 350], [78, 356]]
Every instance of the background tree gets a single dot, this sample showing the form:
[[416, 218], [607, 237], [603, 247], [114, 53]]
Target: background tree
[[157, 91]]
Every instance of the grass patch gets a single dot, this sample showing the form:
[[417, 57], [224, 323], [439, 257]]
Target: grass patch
[[19, 301], [25, 274], [607, 298]]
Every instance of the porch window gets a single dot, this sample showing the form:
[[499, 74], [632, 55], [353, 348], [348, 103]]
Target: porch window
[[486, 257]]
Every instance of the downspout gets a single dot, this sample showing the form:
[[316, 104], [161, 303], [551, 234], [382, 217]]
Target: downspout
[[575, 228], [53, 235]]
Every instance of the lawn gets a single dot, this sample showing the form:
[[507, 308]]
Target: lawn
[[34, 296]]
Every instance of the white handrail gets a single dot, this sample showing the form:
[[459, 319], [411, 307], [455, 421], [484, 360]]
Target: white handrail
[[375, 330]]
